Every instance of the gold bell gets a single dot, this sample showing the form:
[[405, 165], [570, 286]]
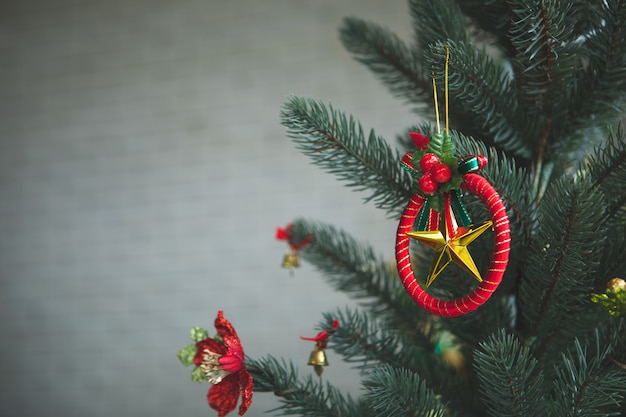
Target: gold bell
[[616, 284], [318, 361], [291, 261]]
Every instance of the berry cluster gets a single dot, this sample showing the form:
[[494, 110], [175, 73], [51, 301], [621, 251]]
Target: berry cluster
[[434, 173]]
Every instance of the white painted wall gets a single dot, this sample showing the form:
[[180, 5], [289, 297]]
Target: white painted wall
[[143, 172]]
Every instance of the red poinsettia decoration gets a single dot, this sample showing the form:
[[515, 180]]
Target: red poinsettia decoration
[[222, 363]]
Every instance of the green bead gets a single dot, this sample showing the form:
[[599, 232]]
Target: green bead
[[197, 375], [198, 334], [186, 354]]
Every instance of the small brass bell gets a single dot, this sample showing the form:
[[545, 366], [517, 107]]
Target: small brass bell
[[318, 361], [291, 261]]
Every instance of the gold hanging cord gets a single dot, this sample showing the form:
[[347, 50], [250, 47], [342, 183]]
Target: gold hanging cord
[[446, 93]]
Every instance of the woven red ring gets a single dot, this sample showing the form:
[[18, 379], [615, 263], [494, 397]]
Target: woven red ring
[[481, 188]]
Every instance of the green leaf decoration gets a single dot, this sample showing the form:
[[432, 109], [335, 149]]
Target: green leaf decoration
[[198, 334], [197, 375], [614, 300], [186, 354]]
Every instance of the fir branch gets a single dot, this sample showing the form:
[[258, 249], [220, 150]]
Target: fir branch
[[363, 338], [309, 398], [598, 97], [441, 21], [510, 378], [538, 31], [437, 21], [544, 66], [338, 144], [399, 392], [486, 94], [562, 259], [354, 268], [607, 167], [388, 57], [584, 14], [492, 17], [271, 375], [587, 384], [613, 261], [497, 313]]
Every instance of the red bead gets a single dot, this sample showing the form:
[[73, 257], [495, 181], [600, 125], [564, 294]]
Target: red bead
[[428, 162], [482, 161], [427, 184], [420, 140], [441, 173]]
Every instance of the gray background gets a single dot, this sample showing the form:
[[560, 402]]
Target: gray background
[[143, 171]]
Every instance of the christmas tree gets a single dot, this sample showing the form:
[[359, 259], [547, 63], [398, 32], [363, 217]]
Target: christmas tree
[[538, 87]]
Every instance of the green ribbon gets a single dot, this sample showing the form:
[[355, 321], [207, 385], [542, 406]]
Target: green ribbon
[[422, 217], [460, 208], [468, 164]]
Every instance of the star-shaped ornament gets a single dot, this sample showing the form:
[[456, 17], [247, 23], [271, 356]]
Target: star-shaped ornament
[[451, 246]]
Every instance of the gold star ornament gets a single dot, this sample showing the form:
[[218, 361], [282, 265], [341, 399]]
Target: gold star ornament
[[451, 248]]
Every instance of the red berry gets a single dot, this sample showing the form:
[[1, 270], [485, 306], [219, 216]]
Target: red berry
[[427, 184], [420, 140], [441, 173], [428, 162]]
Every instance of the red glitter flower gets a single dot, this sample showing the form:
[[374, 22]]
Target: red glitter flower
[[222, 363]]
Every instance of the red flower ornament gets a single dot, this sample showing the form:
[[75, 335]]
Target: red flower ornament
[[291, 260], [222, 364], [321, 339]]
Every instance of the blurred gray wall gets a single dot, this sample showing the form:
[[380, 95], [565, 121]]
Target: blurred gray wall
[[143, 171]]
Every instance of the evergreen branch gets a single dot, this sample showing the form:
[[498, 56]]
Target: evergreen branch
[[492, 17], [584, 15], [354, 268], [607, 167], [364, 338], [562, 259], [613, 261], [587, 384], [544, 67], [437, 21], [598, 97], [310, 398], [485, 92], [510, 378], [361, 337], [497, 313], [337, 144], [538, 32], [388, 57], [270, 375], [399, 392]]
